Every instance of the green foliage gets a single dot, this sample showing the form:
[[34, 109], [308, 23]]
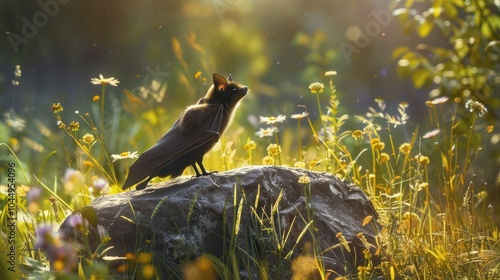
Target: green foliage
[[319, 55], [467, 63]]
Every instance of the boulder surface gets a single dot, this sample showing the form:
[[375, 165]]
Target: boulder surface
[[183, 218]]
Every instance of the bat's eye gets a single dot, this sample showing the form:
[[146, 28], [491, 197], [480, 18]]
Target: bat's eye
[[235, 89]]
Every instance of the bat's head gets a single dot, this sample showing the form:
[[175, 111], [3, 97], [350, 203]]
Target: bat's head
[[226, 91]]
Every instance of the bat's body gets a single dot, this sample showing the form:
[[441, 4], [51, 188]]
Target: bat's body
[[191, 136]]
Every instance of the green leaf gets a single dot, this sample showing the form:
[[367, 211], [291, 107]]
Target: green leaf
[[442, 53], [486, 31], [425, 27], [492, 44], [450, 10], [402, 14], [420, 78], [408, 3], [409, 27], [399, 51]]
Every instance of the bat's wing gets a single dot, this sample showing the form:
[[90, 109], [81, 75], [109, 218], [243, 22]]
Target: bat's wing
[[175, 144]]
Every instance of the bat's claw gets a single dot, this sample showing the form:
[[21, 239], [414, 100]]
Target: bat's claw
[[204, 174], [208, 173]]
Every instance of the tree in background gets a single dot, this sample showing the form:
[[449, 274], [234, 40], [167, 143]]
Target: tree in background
[[469, 65], [465, 68]]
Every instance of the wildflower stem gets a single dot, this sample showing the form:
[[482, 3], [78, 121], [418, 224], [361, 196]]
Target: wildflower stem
[[450, 164], [299, 140], [334, 110], [277, 143], [102, 120], [112, 176], [467, 151], [23, 171], [324, 129], [429, 213], [104, 153]]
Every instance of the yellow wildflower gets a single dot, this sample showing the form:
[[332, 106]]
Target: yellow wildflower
[[313, 163], [300, 164], [88, 138], [405, 148], [357, 134], [57, 108], [250, 145], [304, 179], [377, 145], [274, 149], [481, 195], [267, 160], [74, 126], [316, 88], [422, 160], [384, 157]]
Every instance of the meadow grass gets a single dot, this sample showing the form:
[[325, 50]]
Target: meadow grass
[[436, 223]]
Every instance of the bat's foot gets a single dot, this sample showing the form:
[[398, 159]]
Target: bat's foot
[[204, 174], [202, 169]]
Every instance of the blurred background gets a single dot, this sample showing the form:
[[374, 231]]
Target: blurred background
[[168, 50], [277, 48]]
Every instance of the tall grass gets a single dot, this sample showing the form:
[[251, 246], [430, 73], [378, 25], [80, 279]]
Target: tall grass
[[425, 186]]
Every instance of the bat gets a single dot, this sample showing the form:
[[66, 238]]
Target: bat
[[194, 133]]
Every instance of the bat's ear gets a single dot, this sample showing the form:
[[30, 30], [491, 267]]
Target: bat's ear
[[230, 78], [220, 82]]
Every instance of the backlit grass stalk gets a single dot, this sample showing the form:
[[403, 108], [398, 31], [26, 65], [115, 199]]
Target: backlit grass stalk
[[325, 140], [103, 92], [469, 140], [299, 117], [316, 89], [89, 154], [230, 264], [334, 106], [19, 165], [103, 82], [299, 139], [249, 146], [277, 142], [104, 154]]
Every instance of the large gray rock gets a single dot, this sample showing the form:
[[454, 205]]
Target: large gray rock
[[182, 218]]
